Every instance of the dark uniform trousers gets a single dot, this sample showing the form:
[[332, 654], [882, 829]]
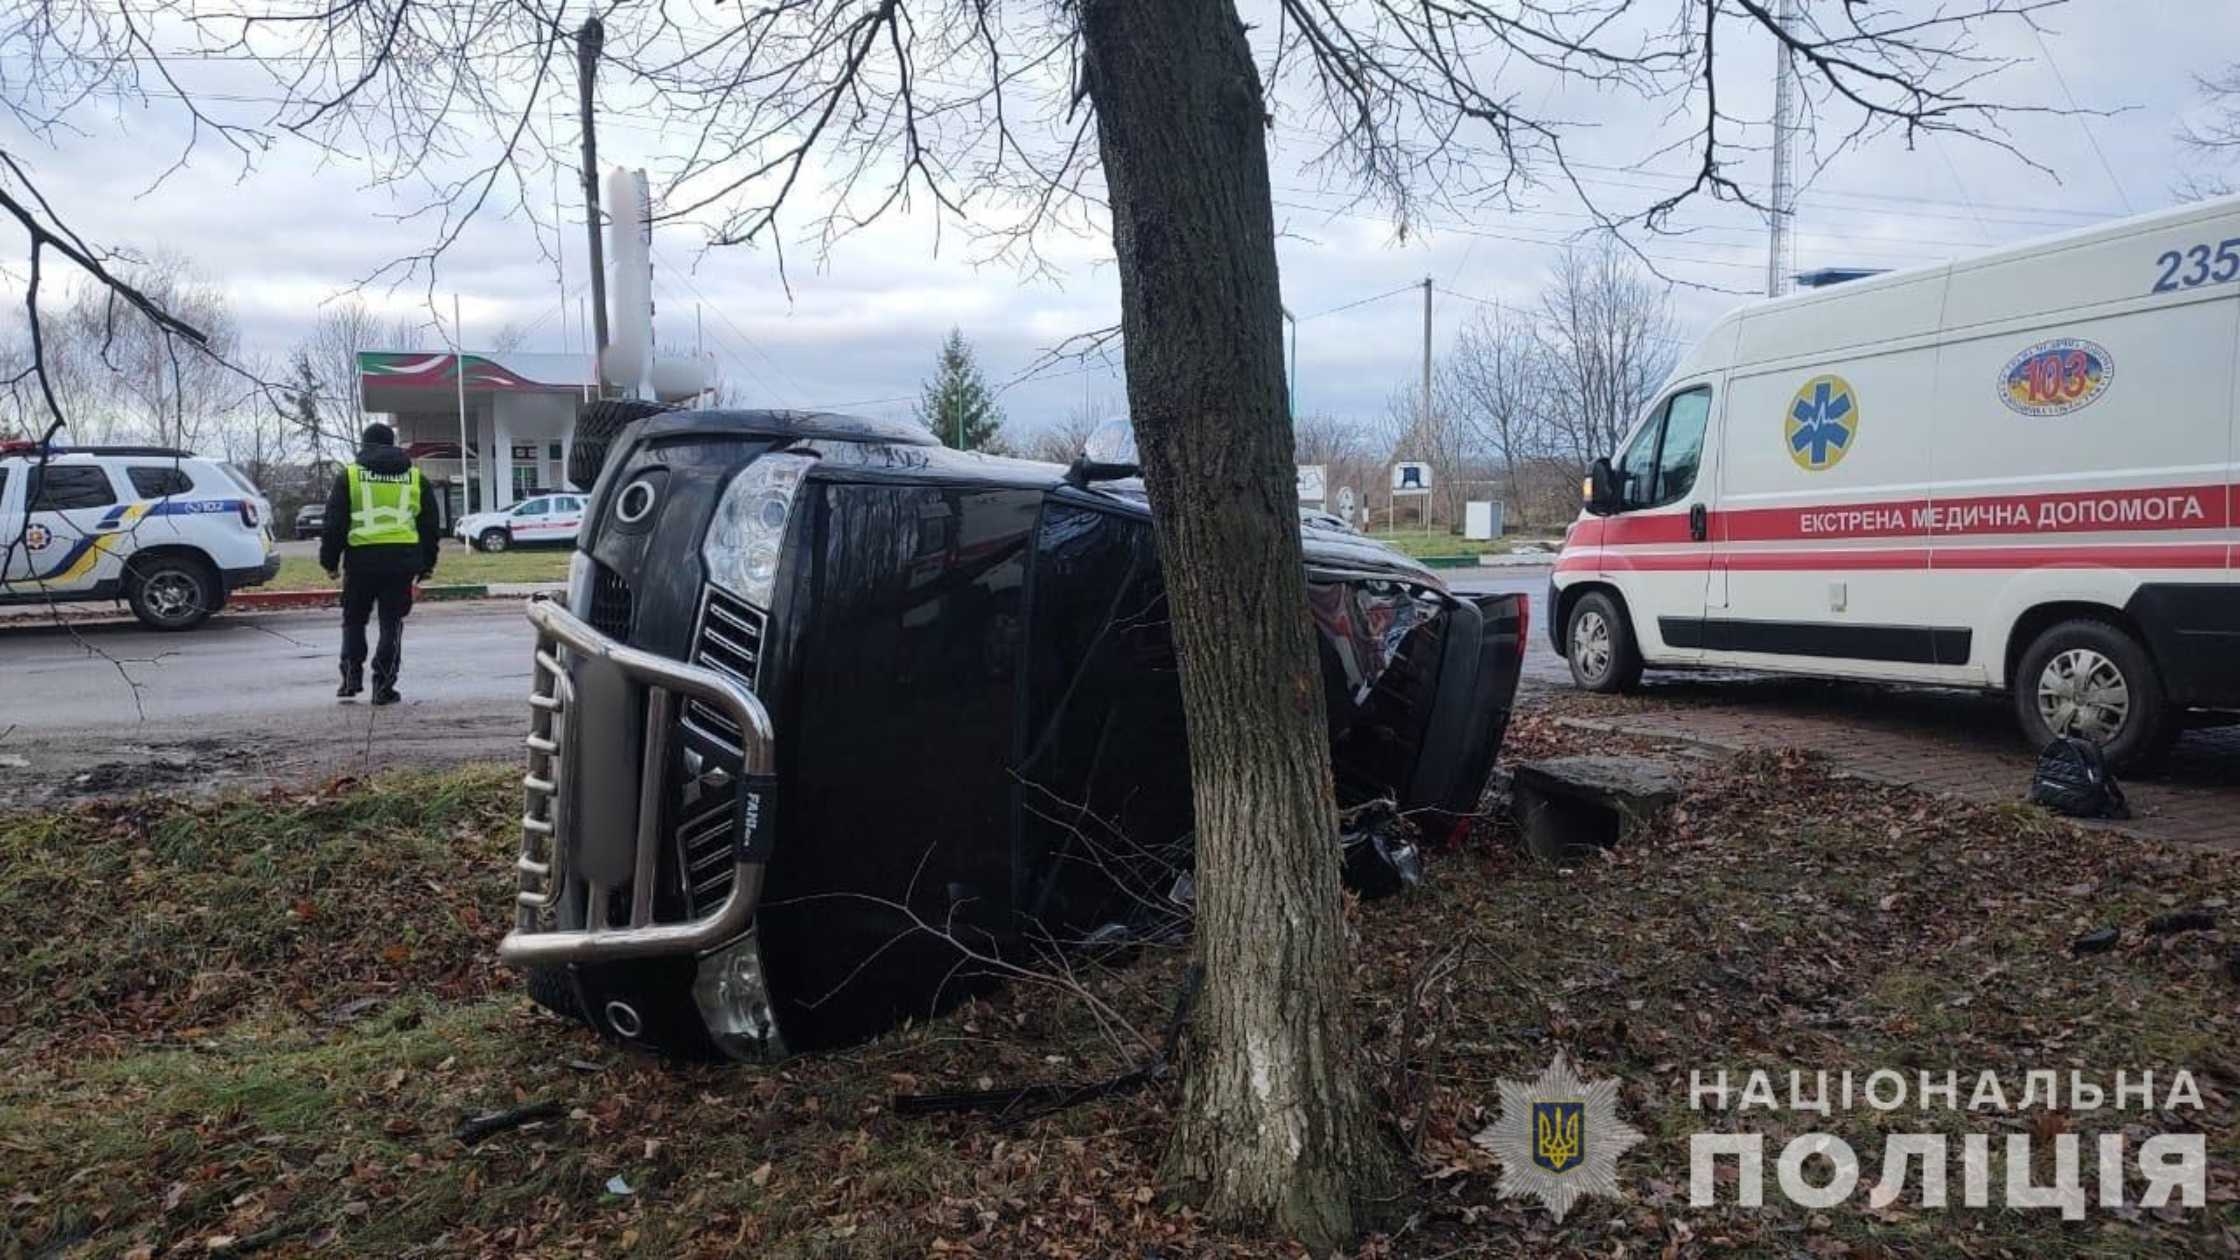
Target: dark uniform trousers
[[362, 595]]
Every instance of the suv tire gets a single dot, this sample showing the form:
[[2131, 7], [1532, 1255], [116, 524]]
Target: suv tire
[[1598, 644], [596, 429], [2093, 680], [172, 592], [492, 539], [550, 988]]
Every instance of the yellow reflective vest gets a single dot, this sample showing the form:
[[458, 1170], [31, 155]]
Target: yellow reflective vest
[[384, 507]]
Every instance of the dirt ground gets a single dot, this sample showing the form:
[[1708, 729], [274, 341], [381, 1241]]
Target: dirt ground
[[241, 1023]]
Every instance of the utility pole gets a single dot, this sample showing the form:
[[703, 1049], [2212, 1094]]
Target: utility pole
[[459, 363], [590, 41], [1780, 209], [1424, 432]]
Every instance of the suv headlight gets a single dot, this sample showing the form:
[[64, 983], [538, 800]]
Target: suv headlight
[[741, 550]]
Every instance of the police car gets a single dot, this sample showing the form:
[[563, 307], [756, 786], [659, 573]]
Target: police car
[[170, 533]]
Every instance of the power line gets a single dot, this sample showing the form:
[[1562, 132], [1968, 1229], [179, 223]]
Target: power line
[[1405, 288], [2063, 82], [744, 339]]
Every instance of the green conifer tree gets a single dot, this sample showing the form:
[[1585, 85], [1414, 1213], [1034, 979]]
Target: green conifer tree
[[956, 404]]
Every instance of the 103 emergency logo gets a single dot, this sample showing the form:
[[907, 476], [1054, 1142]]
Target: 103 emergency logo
[[2054, 378]]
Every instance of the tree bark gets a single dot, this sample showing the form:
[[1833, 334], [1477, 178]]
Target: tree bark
[[1275, 1131]]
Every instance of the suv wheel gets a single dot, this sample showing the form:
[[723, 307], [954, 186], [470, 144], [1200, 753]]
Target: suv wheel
[[493, 540], [2092, 680], [1599, 642], [173, 592], [596, 430]]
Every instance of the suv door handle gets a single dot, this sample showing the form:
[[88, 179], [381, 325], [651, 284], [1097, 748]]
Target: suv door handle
[[1699, 523]]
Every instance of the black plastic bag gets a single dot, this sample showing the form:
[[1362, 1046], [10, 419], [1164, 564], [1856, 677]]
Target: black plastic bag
[[2073, 779], [1380, 852]]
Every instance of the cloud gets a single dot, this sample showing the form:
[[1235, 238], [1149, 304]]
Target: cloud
[[864, 323]]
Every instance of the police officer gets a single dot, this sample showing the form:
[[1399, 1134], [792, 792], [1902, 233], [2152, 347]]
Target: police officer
[[381, 533]]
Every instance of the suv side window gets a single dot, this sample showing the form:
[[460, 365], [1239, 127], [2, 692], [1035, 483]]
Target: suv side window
[[534, 507], [156, 481], [69, 487]]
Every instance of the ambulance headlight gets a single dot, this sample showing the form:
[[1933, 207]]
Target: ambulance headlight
[[741, 550]]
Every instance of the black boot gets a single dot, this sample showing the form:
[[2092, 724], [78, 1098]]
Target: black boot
[[353, 681], [385, 690]]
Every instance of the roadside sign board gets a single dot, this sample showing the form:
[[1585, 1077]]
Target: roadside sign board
[[1411, 477], [1313, 478]]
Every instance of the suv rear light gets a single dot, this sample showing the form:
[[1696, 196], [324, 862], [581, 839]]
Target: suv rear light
[[248, 515]]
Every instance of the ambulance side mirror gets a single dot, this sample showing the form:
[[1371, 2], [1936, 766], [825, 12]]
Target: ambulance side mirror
[[1603, 496]]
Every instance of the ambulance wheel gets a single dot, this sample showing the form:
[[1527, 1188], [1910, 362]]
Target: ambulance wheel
[[492, 540], [2092, 680], [1599, 642], [172, 592]]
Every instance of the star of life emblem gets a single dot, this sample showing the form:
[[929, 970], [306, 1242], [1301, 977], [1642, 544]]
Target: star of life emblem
[[1558, 1137]]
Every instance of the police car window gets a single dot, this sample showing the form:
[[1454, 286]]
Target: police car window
[[241, 479], [69, 488], [534, 507], [1682, 452], [154, 481]]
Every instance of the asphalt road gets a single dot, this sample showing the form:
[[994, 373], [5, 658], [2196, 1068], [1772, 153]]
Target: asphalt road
[[99, 707], [247, 699]]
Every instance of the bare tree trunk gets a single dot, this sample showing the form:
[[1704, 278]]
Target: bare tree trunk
[[1275, 1130]]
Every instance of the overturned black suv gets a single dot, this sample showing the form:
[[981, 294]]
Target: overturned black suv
[[822, 682]]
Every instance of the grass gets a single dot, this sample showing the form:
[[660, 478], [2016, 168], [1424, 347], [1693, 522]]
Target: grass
[[458, 563], [258, 1020], [1438, 542]]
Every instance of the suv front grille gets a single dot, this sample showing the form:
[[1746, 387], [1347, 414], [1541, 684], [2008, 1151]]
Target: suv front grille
[[610, 603], [729, 641]]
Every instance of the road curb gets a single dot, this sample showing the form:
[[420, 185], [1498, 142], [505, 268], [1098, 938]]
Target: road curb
[[268, 600], [1837, 769]]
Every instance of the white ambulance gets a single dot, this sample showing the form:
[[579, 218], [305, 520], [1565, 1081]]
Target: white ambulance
[[2012, 473]]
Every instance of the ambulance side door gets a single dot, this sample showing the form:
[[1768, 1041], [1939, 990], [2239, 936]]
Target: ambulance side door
[[1658, 546]]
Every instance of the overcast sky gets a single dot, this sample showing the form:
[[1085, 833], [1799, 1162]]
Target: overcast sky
[[861, 328]]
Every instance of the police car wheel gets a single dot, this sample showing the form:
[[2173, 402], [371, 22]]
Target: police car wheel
[[1599, 642], [2092, 680], [172, 592], [493, 540]]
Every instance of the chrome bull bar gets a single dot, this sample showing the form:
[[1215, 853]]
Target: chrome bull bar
[[555, 845]]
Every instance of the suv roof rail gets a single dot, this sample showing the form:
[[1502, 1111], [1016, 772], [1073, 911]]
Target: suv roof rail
[[28, 448]]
